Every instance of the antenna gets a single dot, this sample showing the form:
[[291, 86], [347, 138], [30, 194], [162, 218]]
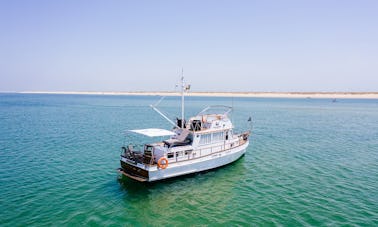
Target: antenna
[[182, 98], [184, 88]]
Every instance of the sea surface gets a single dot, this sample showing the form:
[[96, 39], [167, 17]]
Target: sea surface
[[311, 162]]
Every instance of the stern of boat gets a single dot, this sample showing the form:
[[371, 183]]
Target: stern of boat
[[133, 166]]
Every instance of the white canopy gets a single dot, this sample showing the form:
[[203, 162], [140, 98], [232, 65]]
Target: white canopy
[[153, 132]]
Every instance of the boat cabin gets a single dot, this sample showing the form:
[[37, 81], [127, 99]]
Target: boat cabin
[[203, 134]]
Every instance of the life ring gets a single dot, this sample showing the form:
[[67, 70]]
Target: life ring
[[161, 164]]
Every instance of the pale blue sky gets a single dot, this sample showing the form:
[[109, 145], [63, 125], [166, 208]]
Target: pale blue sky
[[222, 45]]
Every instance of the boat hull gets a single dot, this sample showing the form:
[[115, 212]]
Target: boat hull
[[176, 169]]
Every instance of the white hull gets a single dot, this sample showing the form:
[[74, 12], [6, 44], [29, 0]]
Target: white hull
[[201, 164], [211, 161]]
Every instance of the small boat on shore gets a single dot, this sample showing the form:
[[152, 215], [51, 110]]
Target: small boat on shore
[[206, 141]]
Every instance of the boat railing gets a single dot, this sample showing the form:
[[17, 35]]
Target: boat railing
[[132, 154], [145, 156], [243, 137], [215, 149]]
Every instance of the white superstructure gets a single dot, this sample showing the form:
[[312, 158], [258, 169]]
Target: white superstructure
[[205, 141]]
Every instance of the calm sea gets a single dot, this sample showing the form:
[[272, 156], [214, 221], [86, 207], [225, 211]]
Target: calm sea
[[311, 162]]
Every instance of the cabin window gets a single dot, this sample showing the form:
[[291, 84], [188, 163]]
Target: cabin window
[[178, 153], [170, 155], [218, 136], [205, 139]]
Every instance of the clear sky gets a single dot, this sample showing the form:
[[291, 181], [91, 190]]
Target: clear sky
[[314, 45]]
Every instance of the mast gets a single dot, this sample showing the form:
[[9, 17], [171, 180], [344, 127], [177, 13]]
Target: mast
[[184, 88], [182, 99]]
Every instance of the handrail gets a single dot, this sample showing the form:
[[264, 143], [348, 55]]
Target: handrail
[[228, 108], [200, 150]]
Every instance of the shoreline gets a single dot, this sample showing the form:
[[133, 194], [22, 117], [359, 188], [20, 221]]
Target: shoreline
[[327, 95]]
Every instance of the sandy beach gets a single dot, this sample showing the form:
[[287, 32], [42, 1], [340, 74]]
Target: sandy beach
[[328, 95]]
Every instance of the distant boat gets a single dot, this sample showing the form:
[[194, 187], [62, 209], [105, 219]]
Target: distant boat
[[334, 100], [206, 141]]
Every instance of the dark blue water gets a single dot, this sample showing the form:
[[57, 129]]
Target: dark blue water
[[310, 162]]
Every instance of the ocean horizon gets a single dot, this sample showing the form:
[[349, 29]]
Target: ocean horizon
[[239, 94]]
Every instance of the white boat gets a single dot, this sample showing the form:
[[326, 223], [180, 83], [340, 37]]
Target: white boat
[[206, 141]]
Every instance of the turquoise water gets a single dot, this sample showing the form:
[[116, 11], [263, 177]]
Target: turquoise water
[[310, 162]]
